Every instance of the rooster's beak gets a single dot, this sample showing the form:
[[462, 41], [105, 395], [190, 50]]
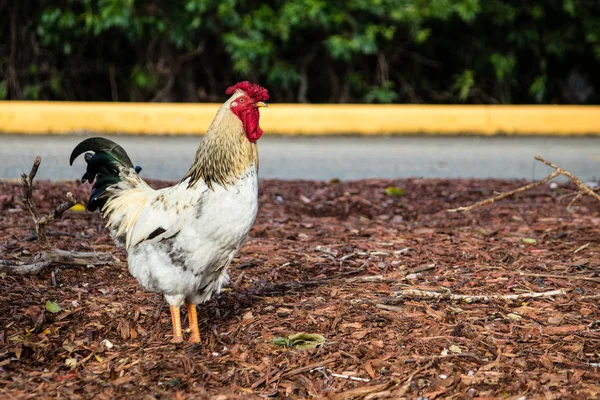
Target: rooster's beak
[[260, 104]]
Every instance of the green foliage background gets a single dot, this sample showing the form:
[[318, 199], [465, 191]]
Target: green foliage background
[[373, 51]]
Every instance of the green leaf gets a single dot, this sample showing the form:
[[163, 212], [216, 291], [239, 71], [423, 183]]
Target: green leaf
[[143, 78], [529, 241], [382, 94], [56, 85], [468, 9], [173, 382], [503, 64], [394, 191], [569, 7], [538, 88], [301, 341], [514, 316], [422, 35], [464, 83], [3, 90], [52, 307]]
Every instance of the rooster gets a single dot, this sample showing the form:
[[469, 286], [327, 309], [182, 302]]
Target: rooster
[[181, 239]]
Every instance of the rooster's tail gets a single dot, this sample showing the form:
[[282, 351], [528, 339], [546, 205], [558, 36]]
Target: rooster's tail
[[109, 164]]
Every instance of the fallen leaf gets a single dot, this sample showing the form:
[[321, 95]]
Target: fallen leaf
[[132, 333], [124, 329], [394, 191], [173, 383], [302, 341], [482, 377], [514, 316], [71, 362], [555, 320], [529, 241], [369, 369], [305, 199], [283, 312], [546, 362], [68, 346], [52, 306], [18, 350], [455, 349], [359, 334]]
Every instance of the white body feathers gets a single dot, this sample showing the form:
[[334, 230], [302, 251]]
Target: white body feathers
[[180, 240]]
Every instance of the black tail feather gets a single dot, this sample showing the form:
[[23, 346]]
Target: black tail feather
[[103, 165], [99, 144]]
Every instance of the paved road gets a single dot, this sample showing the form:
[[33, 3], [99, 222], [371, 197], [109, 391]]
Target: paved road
[[322, 158]]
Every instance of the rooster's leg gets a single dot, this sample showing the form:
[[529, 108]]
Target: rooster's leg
[[193, 321], [176, 321]]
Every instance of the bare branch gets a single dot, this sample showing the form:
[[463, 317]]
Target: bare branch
[[54, 256], [39, 262], [41, 222], [58, 211], [28, 189], [425, 294], [578, 195], [506, 194], [270, 288], [567, 277], [573, 178], [49, 255], [559, 171], [444, 357]]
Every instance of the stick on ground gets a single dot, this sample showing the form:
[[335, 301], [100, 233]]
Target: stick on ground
[[559, 171], [425, 294], [584, 188], [49, 254]]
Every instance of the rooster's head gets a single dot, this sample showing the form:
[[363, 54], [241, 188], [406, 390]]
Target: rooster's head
[[245, 101]]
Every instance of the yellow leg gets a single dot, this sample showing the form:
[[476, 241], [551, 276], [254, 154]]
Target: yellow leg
[[176, 321], [193, 321]]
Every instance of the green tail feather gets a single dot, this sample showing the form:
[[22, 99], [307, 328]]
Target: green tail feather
[[103, 166]]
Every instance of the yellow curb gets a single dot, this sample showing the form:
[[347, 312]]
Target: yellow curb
[[41, 117]]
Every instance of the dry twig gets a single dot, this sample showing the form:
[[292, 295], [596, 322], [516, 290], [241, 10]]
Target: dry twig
[[49, 255], [573, 178], [406, 386], [41, 221], [361, 391], [296, 371], [567, 277], [559, 171], [445, 357], [285, 286], [425, 294]]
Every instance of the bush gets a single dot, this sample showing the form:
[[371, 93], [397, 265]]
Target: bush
[[375, 51]]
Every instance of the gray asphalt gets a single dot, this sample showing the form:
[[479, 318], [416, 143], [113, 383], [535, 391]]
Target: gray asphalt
[[323, 158]]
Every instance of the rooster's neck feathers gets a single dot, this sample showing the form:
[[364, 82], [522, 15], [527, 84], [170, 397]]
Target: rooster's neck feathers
[[225, 153]]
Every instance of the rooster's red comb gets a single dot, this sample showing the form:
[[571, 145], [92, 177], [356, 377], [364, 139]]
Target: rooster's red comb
[[257, 92]]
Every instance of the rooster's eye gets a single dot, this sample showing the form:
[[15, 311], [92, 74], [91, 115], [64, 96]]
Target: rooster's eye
[[241, 100]]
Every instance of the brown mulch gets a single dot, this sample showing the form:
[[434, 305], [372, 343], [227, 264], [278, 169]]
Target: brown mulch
[[327, 258]]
